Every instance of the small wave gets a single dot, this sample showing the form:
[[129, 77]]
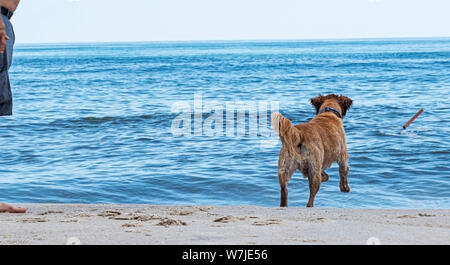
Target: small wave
[[157, 118], [105, 119], [401, 132], [413, 133], [362, 64], [93, 120], [419, 130], [387, 133]]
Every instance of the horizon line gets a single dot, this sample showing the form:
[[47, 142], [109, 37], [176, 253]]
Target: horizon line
[[238, 40]]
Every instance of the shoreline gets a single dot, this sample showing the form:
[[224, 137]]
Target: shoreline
[[115, 224]]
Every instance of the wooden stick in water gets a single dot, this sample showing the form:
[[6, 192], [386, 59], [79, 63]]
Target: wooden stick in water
[[412, 119]]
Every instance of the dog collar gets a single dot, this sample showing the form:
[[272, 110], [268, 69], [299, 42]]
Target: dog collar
[[330, 109]]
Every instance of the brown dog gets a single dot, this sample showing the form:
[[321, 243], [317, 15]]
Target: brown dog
[[312, 147]]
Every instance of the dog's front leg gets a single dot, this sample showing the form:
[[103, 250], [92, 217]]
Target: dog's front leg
[[343, 172]]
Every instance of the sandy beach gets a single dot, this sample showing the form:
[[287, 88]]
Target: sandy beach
[[143, 224]]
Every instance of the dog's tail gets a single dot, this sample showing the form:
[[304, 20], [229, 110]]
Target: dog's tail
[[280, 124], [289, 135]]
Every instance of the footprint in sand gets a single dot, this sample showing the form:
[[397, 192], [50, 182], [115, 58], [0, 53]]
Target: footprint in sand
[[182, 212], [34, 220], [69, 221], [426, 215], [115, 215], [267, 222], [166, 222], [141, 218], [109, 213], [50, 212], [83, 215], [405, 216], [229, 218], [129, 225], [224, 219]]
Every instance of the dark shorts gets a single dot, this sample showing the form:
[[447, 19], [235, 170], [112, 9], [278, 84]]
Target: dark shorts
[[5, 62]]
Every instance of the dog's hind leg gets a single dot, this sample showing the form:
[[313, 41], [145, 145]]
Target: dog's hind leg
[[343, 172], [284, 194], [284, 176], [286, 167], [314, 186]]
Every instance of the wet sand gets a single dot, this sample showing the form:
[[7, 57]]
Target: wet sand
[[177, 225]]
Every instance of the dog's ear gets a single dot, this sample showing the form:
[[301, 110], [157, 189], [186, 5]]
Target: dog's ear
[[345, 104], [317, 102]]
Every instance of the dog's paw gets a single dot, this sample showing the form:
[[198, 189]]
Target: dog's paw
[[344, 187], [325, 177]]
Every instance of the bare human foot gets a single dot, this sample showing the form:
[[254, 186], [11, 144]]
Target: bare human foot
[[6, 208]]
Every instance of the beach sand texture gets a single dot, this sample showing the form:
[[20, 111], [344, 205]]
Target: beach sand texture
[[176, 225]]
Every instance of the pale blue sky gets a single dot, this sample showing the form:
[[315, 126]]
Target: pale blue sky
[[46, 21]]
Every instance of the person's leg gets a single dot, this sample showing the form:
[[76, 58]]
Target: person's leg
[[6, 103], [6, 208], [5, 93]]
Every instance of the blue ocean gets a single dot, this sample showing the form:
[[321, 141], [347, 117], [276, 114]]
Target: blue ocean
[[93, 123]]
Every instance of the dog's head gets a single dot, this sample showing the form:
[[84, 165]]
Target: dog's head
[[332, 100]]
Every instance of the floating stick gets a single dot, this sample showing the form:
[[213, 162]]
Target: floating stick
[[412, 119]]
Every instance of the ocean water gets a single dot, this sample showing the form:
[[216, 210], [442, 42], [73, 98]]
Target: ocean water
[[93, 122]]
